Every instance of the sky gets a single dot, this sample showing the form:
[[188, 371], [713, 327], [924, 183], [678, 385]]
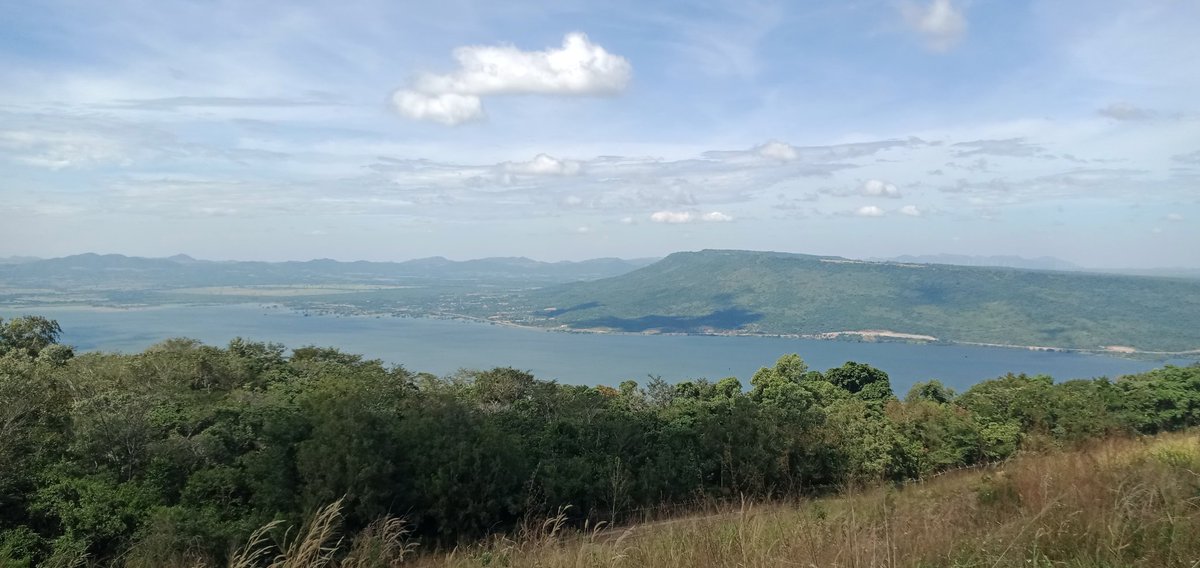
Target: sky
[[390, 130]]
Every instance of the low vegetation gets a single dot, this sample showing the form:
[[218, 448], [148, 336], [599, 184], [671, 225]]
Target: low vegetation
[[1113, 503], [251, 455]]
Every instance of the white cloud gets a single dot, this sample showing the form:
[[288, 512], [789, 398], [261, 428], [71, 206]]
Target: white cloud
[[671, 217], [67, 141], [880, 188], [911, 211], [784, 152], [778, 151], [545, 165], [446, 108], [546, 184], [579, 67], [57, 150], [628, 221], [869, 211], [941, 23], [1174, 217], [1011, 147], [676, 217]]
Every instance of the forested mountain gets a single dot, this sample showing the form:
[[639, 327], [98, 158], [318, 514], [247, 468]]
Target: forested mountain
[[114, 270], [778, 293]]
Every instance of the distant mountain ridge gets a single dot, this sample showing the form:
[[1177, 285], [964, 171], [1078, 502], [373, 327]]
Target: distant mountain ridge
[[1039, 263], [91, 270], [782, 293]]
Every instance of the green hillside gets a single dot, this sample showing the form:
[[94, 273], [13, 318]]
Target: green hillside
[[777, 293]]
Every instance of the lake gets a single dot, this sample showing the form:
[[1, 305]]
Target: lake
[[443, 346]]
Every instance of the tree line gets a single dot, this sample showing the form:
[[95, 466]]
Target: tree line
[[190, 447]]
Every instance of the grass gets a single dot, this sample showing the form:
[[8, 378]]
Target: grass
[[1122, 502], [1117, 503]]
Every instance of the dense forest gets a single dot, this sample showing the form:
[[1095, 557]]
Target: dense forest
[[187, 448], [782, 293]]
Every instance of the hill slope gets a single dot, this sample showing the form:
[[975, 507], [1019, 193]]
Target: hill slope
[[1116, 503], [777, 293]]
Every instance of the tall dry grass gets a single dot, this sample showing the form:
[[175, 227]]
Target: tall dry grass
[[1114, 503]]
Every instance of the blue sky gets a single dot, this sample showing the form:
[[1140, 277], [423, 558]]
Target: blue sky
[[570, 130]]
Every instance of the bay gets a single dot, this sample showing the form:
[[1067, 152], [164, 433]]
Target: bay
[[443, 346]]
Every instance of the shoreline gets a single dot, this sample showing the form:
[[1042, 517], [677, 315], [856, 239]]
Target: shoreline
[[863, 336], [866, 336]]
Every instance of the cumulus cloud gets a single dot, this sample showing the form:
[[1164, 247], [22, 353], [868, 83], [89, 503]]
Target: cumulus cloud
[[778, 151], [1125, 111], [869, 211], [716, 216], [676, 217], [544, 165], [1176, 217], [672, 217], [911, 211], [879, 188], [447, 108], [579, 67], [940, 23]]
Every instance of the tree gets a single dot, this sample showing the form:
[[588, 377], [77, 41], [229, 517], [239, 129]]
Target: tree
[[499, 388], [872, 383], [932, 390], [28, 335], [187, 447], [1160, 400], [788, 369], [1026, 400]]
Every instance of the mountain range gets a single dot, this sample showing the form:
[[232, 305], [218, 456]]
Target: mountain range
[[130, 272], [711, 291]]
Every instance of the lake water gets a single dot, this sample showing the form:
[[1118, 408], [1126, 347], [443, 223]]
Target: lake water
[[443, 346]]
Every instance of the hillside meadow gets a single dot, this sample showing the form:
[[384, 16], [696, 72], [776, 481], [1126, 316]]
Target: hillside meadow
[[1114, 502]]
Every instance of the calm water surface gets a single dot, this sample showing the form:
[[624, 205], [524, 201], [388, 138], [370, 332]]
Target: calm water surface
[[443, 346]]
